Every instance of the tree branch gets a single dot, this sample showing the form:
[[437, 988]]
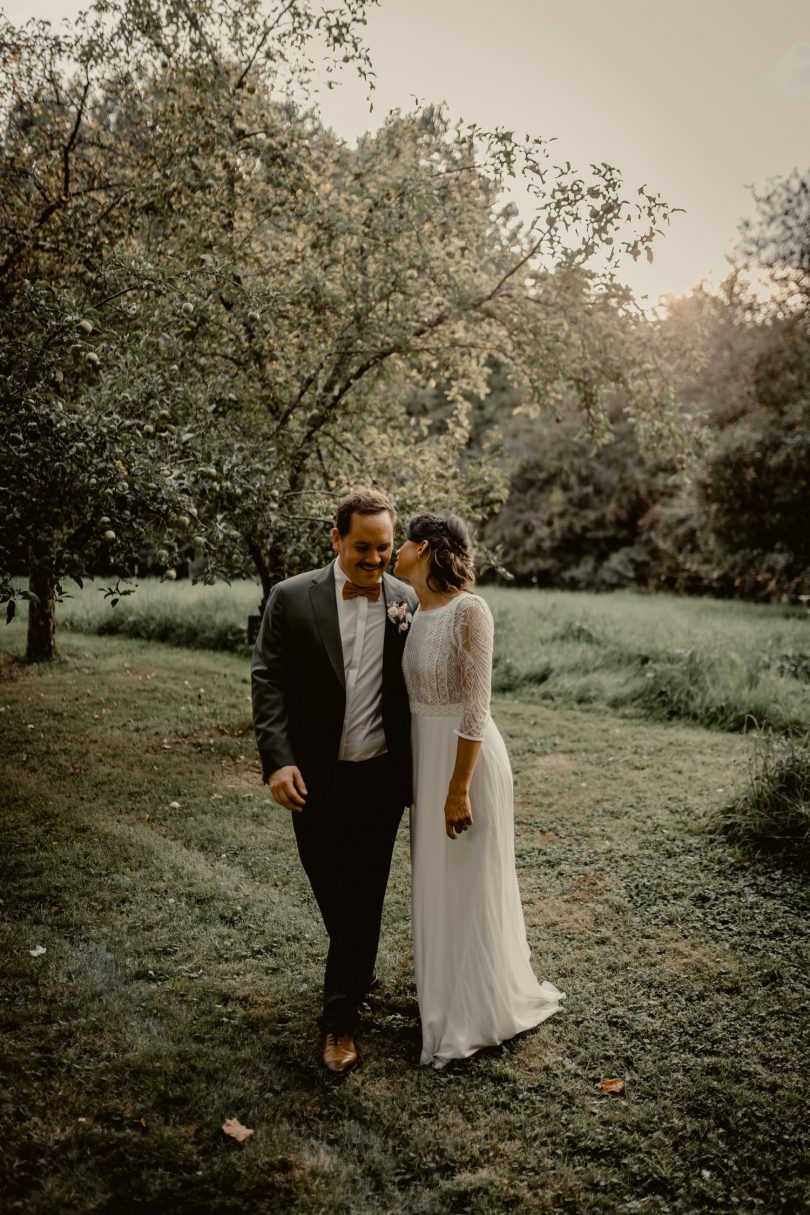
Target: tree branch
[[268, 29], [71, 143]]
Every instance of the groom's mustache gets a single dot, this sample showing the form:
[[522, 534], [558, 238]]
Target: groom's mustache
[[379, 566]]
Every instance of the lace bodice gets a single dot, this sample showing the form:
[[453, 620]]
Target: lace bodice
[[448, 663]]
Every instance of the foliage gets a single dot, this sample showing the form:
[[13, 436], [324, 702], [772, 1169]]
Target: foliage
[[756, 501], [83, 172], [573, 519], [773, 813], [777, 238], [255, 300], [754, 495], [736, 526], [341, 280]]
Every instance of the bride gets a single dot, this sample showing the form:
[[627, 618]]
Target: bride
[[474, 980]]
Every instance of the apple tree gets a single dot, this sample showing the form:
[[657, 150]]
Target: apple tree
[[322, 284], [83, 485], [230, 309]]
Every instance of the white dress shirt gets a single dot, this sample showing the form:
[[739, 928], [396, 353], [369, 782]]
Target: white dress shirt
[[362, 635]]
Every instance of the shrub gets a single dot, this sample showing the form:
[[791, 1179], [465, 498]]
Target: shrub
[[723, 692], [507, 676], [792, 663], [773, 813], [577, 630]]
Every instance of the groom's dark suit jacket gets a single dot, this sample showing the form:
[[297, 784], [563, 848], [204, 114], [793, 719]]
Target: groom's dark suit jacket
[[299, 689]]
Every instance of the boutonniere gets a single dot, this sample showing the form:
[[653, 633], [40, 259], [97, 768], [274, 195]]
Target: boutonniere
[[399, 615]]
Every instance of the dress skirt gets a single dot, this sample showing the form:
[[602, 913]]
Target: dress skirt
[[474, 978]]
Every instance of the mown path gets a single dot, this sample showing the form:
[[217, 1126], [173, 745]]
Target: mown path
[[183, 961]]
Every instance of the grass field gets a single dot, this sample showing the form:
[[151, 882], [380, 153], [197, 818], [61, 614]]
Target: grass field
[[725, 665], [183, 959]]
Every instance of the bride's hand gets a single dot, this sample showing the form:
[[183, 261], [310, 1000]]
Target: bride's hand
[[457, 812]]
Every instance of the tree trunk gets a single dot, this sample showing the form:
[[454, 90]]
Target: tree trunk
[[42, 614], [262, 570]]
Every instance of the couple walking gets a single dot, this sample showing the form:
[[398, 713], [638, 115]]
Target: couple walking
[[369, 695]]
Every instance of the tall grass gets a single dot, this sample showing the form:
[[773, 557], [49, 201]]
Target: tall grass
[[772, 814], [178, 613], [726, 665]]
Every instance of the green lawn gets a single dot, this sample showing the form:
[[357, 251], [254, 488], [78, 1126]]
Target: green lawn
[[730, 666], [184, 956]]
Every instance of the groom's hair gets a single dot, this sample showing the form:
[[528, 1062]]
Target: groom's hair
[[362, 501]]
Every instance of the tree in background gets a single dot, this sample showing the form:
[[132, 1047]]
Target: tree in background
[[777, 238], [82, 487], [573, 517], [250, 302], [327, 283], [75, 483], [754, 496], [738, 524]]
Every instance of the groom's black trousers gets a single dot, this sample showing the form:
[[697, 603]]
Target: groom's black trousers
[[345, 836]]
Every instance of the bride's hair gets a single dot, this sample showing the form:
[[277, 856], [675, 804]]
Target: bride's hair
[[452, 561]]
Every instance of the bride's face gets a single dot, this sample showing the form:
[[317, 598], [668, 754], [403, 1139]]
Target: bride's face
[[408, 558]]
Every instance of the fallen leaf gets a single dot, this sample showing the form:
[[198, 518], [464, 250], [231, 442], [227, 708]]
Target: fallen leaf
[[234, 1128], [612, 1086], [37, 951]]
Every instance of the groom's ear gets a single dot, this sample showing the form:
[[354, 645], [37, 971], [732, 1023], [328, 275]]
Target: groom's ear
[[335, 540]]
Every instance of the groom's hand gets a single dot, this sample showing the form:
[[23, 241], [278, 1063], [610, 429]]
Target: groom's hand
[[288, 788]]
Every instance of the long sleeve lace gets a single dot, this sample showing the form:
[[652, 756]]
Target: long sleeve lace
[[474, 631], [447, 663]]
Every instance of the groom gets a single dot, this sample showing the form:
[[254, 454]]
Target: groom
[[330, 711]]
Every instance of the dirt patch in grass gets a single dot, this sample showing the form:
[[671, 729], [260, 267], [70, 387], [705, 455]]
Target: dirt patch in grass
[[685, 955], [546, 838], [553, 912], [243, 780], [553, 763], [587, 889]]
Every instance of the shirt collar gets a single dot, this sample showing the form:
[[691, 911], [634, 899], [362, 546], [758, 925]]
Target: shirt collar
[[340, 576]]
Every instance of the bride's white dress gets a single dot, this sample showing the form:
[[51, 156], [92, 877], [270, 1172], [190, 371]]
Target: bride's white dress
[[474, 980]]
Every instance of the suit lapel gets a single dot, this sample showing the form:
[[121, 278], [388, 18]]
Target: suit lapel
[[324, 607], [392, 650]]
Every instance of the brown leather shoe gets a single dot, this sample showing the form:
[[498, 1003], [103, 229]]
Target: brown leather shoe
[[339, 1053]]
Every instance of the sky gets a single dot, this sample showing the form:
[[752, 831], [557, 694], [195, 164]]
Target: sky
[[698, 100]]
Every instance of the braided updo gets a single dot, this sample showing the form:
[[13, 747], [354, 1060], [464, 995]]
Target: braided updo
[[452, 565]]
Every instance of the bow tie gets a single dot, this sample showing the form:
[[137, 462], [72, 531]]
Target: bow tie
[[352, 591]]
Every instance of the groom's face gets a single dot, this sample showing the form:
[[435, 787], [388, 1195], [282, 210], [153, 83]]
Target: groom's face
[[366, 548]]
